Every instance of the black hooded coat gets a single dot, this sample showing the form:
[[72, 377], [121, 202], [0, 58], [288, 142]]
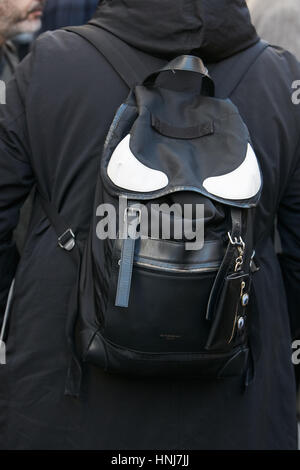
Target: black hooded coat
[[52, 129]]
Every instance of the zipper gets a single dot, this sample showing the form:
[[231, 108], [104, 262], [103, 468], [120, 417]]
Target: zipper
[[162, 267]]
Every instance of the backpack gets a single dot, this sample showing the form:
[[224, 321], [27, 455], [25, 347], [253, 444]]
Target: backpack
[[164, 278]]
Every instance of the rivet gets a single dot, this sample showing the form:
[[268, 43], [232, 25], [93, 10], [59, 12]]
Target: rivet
[[245, 300], [241, 323]]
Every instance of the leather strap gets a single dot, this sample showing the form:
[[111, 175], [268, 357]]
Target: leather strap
[[229, 73], [186, 63], [227, 263], [125, 273], [127, 257], [65, 235], [66, 240], [121, 57]]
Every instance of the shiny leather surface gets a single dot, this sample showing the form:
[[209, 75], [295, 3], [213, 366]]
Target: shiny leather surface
[[174, 254], [118, 360], [187, 63], [228, 309]]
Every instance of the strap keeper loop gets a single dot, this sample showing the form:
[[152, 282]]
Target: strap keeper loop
[[67, 240]]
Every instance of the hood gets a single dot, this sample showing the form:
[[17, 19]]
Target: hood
[[212, 29]]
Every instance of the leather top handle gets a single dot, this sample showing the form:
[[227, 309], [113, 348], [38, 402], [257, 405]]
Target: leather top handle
[[186, 63]]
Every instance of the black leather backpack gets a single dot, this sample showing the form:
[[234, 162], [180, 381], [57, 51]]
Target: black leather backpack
[[147, 304]]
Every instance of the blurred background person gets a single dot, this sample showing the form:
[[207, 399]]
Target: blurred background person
[[60, 13], [16, 17], [26, 31], [278, 22], [8, 60], [21, 21]]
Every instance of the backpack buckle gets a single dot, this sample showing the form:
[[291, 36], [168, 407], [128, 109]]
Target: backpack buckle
[[67, 240]]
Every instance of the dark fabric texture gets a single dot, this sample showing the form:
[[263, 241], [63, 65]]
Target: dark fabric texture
[[174, 28], [58, 13], [60, 106]]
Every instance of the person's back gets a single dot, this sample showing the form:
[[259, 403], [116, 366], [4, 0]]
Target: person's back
[[18, 19], [8, 61], [52, 131]]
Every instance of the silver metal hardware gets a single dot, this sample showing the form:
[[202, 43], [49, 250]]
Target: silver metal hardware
[[244, 296], [67, 240], [236, 241], [245, 300], [243, 285], [241, 323], [240, 244]]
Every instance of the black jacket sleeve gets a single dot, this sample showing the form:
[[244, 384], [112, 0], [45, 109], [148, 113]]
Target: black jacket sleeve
[[289, 230], [16, 176]]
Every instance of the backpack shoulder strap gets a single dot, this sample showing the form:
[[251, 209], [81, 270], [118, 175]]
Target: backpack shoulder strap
[[229, 73], [122, 57]]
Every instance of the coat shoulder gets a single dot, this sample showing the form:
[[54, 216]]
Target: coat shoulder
[[62, 60], [279, 70], [59, 41], [281, 62]]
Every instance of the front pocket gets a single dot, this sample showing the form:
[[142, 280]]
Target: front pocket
[[166, 311], [229, 307], [116, 359]]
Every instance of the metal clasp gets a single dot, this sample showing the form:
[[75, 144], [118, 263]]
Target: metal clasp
[[67, 240], [240, 244], [237, 241]]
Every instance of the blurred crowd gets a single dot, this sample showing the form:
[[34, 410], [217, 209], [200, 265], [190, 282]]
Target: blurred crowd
[[278, 22]]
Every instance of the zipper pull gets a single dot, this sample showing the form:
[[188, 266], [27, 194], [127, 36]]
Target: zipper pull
[[132, 219]]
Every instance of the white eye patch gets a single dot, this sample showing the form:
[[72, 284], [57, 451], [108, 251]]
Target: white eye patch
[[242, 183], [127, 172]]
